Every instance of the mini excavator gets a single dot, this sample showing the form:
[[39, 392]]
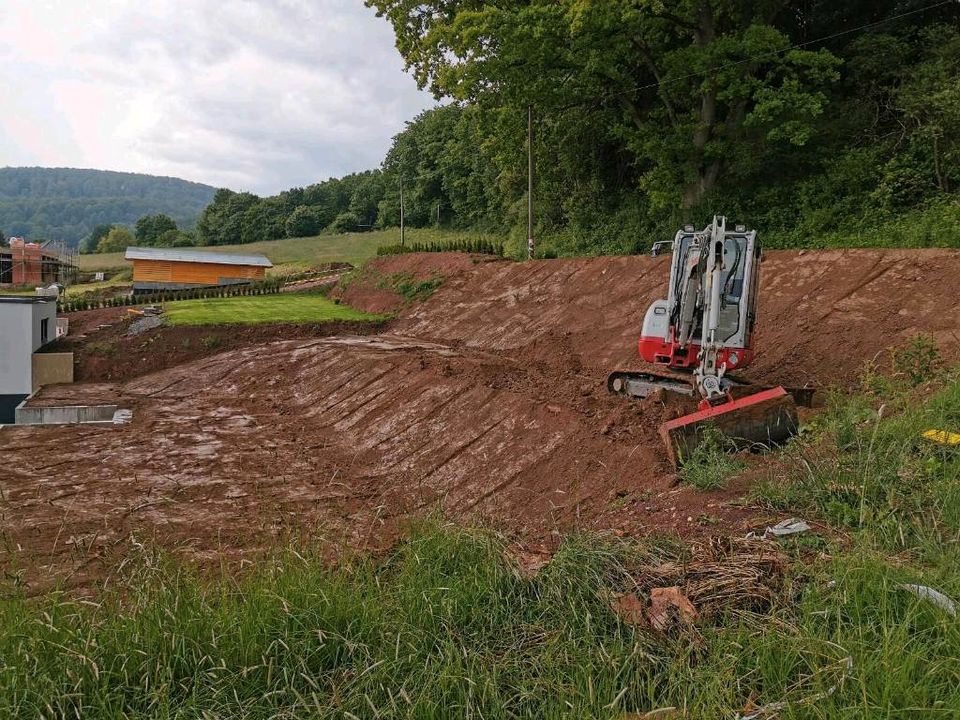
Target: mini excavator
[[702, 332]]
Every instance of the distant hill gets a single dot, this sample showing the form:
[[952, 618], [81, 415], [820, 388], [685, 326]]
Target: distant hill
[[66, 203]]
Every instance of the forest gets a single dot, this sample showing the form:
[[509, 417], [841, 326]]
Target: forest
[[818, 123], [67, 204]]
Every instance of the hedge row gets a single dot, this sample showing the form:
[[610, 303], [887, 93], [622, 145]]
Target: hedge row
[[481, 247], [264, 287]]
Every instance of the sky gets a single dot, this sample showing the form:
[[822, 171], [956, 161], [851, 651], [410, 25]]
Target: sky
[[258, 95]]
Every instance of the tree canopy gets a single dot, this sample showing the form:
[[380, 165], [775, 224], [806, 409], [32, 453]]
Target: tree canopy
[[799, 119], [649, 113], [117, 239]]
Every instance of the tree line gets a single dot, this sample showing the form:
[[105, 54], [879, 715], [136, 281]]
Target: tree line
[[798, 119]]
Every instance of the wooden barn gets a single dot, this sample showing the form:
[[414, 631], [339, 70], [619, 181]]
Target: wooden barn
[[177, 269]]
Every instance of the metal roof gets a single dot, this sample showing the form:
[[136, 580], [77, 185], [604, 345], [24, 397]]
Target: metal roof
[[202, 256]]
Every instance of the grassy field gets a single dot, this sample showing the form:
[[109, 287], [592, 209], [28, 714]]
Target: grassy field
[[292, 254], [250, 310], [448, 627]]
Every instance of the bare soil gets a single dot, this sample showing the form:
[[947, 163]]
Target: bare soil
[[486, 402], [369, 289], [111, 353]]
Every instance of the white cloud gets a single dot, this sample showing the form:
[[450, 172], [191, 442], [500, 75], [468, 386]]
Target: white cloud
[[250, 94]]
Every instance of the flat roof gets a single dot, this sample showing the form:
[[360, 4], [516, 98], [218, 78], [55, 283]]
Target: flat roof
[[201, 256], [25, 299]]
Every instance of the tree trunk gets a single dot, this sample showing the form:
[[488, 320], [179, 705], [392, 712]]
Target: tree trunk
[[707, 173]]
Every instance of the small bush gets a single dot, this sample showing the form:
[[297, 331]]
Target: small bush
[[467, 245], [920, 361]]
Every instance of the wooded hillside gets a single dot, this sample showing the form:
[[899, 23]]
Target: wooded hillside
[[818, 123], [66, 204]]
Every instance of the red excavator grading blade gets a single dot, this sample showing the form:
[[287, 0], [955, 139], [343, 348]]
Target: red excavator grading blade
[[763, 419]]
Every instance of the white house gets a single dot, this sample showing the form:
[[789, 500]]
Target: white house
[[26, 323]]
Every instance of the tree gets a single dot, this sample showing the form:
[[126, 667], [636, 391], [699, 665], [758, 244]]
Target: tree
[[264, 220], [346, 222], [304, 221], [174, 238], [3, 240], [150, 227], [221, 222], [117, 240], [90, 242], [681, 95]]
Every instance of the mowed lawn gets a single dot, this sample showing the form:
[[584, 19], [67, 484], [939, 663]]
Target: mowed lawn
[[244, 310]]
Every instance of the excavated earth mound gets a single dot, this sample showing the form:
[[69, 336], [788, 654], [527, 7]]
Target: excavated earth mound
[[822, 314], [486, 402]]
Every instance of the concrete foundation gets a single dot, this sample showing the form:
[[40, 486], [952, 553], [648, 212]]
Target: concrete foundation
[[65, 414]]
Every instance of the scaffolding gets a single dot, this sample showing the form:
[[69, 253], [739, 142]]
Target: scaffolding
[[28, 263]]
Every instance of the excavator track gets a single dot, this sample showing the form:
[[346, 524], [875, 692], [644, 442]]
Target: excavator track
[[641, 383]]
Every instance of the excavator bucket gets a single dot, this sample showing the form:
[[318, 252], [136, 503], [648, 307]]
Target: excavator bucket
[[763, 419]]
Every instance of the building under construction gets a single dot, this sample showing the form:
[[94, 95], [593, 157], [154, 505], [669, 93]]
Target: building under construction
[[29, 263]]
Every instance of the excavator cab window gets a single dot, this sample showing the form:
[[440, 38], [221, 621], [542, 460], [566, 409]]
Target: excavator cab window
[[734, 266]]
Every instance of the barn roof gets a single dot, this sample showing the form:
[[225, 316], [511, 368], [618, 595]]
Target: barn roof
[[196, 256]]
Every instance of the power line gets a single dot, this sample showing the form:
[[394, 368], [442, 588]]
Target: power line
[[762, 56]]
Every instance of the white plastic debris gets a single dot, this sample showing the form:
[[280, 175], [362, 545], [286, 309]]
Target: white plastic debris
[[790, 526], [771, 709], [934, 596]]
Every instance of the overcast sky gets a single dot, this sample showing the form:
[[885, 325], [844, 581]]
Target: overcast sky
[[256, 95]]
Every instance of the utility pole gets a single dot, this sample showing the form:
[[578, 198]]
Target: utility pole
[[401, 212], [529, 182]]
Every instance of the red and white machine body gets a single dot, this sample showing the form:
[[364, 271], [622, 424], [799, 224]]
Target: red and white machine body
[[711, 302], [705, 326]]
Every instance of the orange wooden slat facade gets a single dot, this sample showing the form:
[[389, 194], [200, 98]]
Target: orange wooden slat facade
[[193, 273]]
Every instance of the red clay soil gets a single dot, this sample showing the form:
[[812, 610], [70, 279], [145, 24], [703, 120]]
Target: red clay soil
[[111, 354], [370, 289], [822, 314], [487, 401]]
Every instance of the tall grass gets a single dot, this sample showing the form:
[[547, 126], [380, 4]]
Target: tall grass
[[448, 626]]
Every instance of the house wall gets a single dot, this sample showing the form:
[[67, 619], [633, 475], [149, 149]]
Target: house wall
[[16, 346], [20, 336], [193, 273]]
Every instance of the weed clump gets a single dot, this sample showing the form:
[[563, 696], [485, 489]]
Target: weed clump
[[710, 463]]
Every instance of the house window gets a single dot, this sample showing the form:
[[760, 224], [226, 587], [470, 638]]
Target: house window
[[44, 330]]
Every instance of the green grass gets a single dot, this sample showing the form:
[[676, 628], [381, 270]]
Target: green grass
[[293, 254], [709, 466], [250, 310], [447, 627]]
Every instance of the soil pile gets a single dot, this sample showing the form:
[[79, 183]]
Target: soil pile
[[374, 287], [821, 316]]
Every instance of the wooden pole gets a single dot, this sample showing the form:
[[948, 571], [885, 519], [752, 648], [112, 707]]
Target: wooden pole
[[401, 212], [529, 182]]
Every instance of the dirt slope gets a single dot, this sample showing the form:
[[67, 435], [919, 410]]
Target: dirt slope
[[487, 401], [822, 314], [342, 438]]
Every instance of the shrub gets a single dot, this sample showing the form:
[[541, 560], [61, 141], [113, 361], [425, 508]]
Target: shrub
[[346, 222]]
